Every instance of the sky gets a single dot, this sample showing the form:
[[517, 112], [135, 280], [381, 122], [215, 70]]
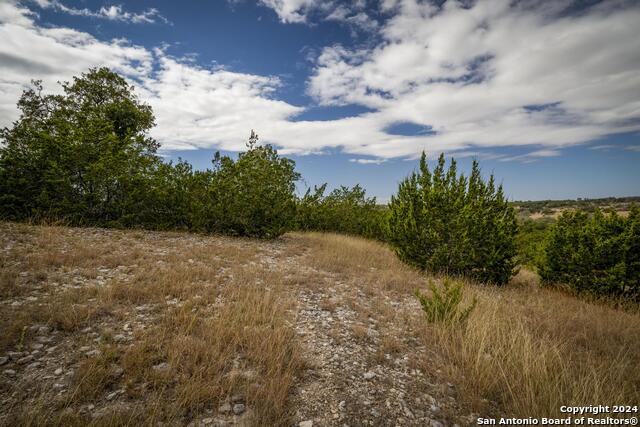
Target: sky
[[544, 94]]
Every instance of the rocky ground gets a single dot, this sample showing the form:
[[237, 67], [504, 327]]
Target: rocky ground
[[78, 314]]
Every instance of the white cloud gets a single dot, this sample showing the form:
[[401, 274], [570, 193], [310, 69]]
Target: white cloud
[[481, 75], [298, 11], [368, 161], [112, 13], [485, 76]]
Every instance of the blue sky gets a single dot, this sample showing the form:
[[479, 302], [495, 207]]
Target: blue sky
[[546, 95]]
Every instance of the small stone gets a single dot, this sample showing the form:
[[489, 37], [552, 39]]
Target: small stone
[[436, 423], [119, 338], [238, 408], [225, 408], [92, 353], [308, 423], [25, 360], [58, 371], [434, 408], [37, 346], [9, 372], [43, 330], [369, 375], [33, 365], [161, 367], [85, 348], [58, 386], [3, 360]]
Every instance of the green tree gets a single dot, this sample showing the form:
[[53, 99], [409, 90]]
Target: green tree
[[594, 253], [344, 210], [442, 221], [79, 156], [252, 196]]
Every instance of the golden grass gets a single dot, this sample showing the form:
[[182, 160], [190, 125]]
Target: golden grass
[[219, 325], [525, 350]]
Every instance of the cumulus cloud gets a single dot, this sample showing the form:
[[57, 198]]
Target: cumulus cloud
[[112, 13], [494, 74], [481, 76], [353, 14]]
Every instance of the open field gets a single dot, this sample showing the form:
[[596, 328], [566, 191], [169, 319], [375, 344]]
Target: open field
[[107, 327]]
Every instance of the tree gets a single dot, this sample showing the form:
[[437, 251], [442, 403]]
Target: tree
[[253, 196], [79, 156], [444, 222], [596, 254]]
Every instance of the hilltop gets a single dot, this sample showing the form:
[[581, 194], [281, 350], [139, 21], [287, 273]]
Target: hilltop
[[107, 327]]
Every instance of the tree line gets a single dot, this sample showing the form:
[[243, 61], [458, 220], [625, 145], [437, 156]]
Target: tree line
[[85, 157]]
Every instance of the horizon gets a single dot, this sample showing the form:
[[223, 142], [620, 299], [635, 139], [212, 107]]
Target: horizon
[[543, 94]]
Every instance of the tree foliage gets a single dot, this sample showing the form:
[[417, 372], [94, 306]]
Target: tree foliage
[[445, 222], [597, 254], [85, 157], [344, 210]]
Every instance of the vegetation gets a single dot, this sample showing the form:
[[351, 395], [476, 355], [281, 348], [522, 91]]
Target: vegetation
[[530, 240], [444, 222], [597, 254], [85, 158], [344, 210], [443, 305]]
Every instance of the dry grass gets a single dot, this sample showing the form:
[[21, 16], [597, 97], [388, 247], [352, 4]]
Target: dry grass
[[218, 325], [527, 351], [372, 263]]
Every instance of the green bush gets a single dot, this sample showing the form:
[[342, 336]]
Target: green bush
[[444, 303], [253, 196], [84, 157], [345, 210], [530, 240], [447, 223], [597, 254]]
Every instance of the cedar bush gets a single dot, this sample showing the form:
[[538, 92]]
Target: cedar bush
[[598, 254], [444, 222], [443, 305], [344, 210], [253, 196]]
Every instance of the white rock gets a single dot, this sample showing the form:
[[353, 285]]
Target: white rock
[[308, 423], [238, 408], [58, 371], [369, 375]]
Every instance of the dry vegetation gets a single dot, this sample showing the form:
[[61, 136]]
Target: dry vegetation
[[104, 327]]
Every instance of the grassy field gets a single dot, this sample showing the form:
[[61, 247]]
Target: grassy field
[[105, 327]]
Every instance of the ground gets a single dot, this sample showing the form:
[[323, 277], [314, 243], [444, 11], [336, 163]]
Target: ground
[[108, 327]]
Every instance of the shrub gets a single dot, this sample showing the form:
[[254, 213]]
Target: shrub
[[597, 254], [252, 196], [444, 222], [345, 210], [444, 303], [530, 240]]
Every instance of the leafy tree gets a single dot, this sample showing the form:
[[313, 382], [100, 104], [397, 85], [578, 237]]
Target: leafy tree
[[79, 156], [253, 196], [442, 221], [596, 254]]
